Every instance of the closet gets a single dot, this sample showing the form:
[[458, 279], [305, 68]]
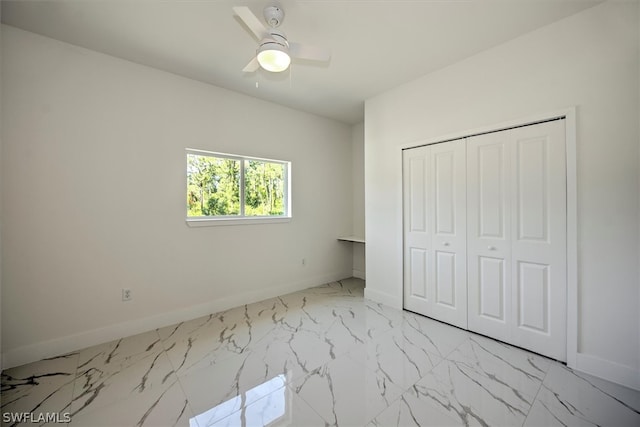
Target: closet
[[485, 235]]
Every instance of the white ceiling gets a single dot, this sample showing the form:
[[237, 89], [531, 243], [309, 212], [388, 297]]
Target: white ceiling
[[376, 45]]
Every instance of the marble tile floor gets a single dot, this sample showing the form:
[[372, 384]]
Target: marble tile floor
[[323, 356]]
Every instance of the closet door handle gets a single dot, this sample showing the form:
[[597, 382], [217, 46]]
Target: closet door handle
[[491, 248], [445, 244]]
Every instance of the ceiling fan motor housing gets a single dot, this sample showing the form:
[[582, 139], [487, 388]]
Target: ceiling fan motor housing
[[276, 36], [274, 53], [273, 15]]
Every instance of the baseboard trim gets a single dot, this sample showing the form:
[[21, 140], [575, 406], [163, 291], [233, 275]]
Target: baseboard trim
[[383, 298], [358, 274], [58, 346], [607, 370]]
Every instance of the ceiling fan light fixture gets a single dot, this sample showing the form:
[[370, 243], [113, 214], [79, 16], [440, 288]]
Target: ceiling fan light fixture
[[273, 57]]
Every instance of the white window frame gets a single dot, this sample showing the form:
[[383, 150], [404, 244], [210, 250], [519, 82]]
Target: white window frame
[[206, 221]]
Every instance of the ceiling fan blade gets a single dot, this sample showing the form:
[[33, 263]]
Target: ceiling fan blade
[[252, 66], [314, 53], [250, 20]]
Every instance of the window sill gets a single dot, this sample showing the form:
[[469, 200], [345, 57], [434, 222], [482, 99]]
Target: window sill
[[214, 222]]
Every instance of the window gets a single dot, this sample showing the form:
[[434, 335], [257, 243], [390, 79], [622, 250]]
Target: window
[[226, 187]]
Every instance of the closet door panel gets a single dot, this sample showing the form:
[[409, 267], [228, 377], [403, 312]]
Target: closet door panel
[[418, 273], [417, 239], [446, 278], [533, 297], [539, 243], [443, 239], [489, 235], [491, 288], [448, 188], [531, 176], [517, 237], [489, 162]]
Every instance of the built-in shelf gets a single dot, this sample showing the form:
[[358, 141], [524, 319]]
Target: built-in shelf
[[351, 239]]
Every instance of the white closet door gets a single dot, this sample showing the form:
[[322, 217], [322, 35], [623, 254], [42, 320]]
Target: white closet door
[[539, 249], [435, 232], [517, 237], [489, 234]]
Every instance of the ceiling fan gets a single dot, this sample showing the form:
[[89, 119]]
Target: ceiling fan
[[275, 52]]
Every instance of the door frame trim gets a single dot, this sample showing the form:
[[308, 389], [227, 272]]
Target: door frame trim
[[569, 115]]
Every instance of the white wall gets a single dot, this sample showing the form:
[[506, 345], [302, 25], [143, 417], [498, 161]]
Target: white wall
[[357, 155], [589, 60], [639, 175], [1, 362], [93, 175]]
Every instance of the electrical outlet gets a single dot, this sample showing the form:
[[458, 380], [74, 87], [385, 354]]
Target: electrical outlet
[[126, 295]]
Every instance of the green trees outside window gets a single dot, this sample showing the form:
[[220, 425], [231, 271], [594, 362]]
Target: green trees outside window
[[264, 188], [214, 186]]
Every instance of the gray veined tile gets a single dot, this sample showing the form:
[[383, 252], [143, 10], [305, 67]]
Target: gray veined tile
[[391, 316], [365, 321], [285, 356], [343, 335], [351, 284], [314, 347], [232, 377], [354, 325], [488, 361], [623, 394], [179, 340], [342, 287], [140, 379], [400, 360], [545, 415], [273, 311], [409, 410], [317, 307], [457, 391], [435, 337], [167, 407], [43, 387], [571, 395], [113, 353], [348, 289], [225, 387], [216, 337], [321, 356], [305, 312], [281, 407], [259, 318], [346, 393]]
